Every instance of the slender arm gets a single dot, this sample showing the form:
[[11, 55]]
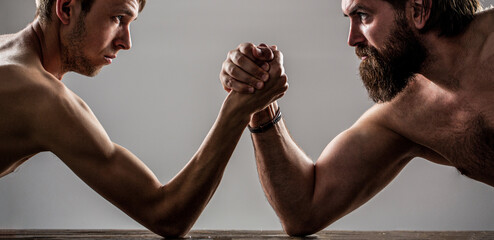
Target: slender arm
[[69, 129]]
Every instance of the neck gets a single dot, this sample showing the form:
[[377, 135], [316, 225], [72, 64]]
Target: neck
[[49, 47], [446, 57], [450, 57]]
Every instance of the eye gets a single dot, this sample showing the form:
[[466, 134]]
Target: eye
[[362, 16], [118, 18]]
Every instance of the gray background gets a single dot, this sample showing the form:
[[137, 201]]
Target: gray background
[[160, 99]]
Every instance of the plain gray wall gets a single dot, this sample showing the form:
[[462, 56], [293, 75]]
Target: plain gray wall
[[160, 99]]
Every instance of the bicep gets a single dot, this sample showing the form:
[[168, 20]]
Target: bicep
[[355, 166], [74, 134], [121, 178]]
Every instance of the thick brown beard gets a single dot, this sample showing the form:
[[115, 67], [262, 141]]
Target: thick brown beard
[[73, 58], [386, 74]]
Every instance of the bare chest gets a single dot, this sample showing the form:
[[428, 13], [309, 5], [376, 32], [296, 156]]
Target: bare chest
[[455, 131], [466, 145]]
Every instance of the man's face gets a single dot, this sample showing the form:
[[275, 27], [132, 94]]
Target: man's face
[[96, 36], [390, 51]]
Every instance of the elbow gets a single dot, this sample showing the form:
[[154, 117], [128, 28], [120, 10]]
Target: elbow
[[172, 233], [170, 230], [168, 226], [303, 225], [300, 230], [170, 220]]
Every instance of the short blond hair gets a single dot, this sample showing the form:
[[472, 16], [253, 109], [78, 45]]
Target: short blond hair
[[44, 7]]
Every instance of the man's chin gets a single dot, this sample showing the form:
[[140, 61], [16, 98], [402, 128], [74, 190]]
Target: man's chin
[[90, 72], [386, 92]]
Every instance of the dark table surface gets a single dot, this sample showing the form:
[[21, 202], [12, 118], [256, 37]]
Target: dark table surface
[[225, 234]]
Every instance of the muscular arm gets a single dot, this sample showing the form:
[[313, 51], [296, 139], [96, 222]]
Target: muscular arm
[[354, 167], [70, 130]]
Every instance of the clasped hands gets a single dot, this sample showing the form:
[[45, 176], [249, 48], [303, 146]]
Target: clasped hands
[[255, 74]]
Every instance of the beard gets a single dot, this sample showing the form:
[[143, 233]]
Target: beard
[[385, 74], [73, 57]]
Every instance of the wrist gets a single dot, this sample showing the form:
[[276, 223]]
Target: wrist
[[234, 112], [268, 125], [264, 116]]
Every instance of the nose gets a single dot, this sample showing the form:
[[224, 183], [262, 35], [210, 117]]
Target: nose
[[355, 36], [123, 39]]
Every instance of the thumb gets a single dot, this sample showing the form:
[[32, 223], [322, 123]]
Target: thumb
[[263, 53]]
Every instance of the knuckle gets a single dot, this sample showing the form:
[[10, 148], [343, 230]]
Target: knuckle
[[249, 45], [284, 79], [234, 85], [279, 53], [277, 71], [228, 82], [229, 68], [285, 87], [240, 59], [225, 65], [234, 71], [245, 45], [233, 55], [278, 56]]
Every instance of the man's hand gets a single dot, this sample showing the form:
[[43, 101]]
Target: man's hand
[[244, 69], [247, 68]]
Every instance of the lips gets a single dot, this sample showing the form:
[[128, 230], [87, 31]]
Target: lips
[[109, 58], [362, 52]]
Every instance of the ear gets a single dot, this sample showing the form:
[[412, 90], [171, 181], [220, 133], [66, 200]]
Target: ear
[[64, 9], [421, 12]]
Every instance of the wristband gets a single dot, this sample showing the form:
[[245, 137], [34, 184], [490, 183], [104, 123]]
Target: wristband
[[266, 126]]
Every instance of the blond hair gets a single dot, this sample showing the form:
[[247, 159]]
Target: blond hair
[[44, 8]]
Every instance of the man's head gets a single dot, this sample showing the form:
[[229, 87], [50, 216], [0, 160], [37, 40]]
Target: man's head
[[387, 72], [44, 8], [91, 32], [387, 35]]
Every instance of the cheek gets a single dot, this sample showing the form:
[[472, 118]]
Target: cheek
[[100, 40], [377, 34], [101, 35]]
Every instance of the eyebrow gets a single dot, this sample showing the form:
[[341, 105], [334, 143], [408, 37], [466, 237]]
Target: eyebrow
[[354, 10], [127, 12]]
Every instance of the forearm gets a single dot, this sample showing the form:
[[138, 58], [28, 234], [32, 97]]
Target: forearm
[[169, 210], [285, 171], [189, 192]]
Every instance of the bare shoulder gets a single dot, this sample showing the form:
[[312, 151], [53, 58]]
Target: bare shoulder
[[21, 86], [406, 116], [23, 90], [57, 119], [70, 126]]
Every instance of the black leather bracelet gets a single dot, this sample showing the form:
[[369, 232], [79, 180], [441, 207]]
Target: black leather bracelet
[[264, 127]]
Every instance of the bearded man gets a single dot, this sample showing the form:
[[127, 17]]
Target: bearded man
[[38, 113], [428, 64]]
